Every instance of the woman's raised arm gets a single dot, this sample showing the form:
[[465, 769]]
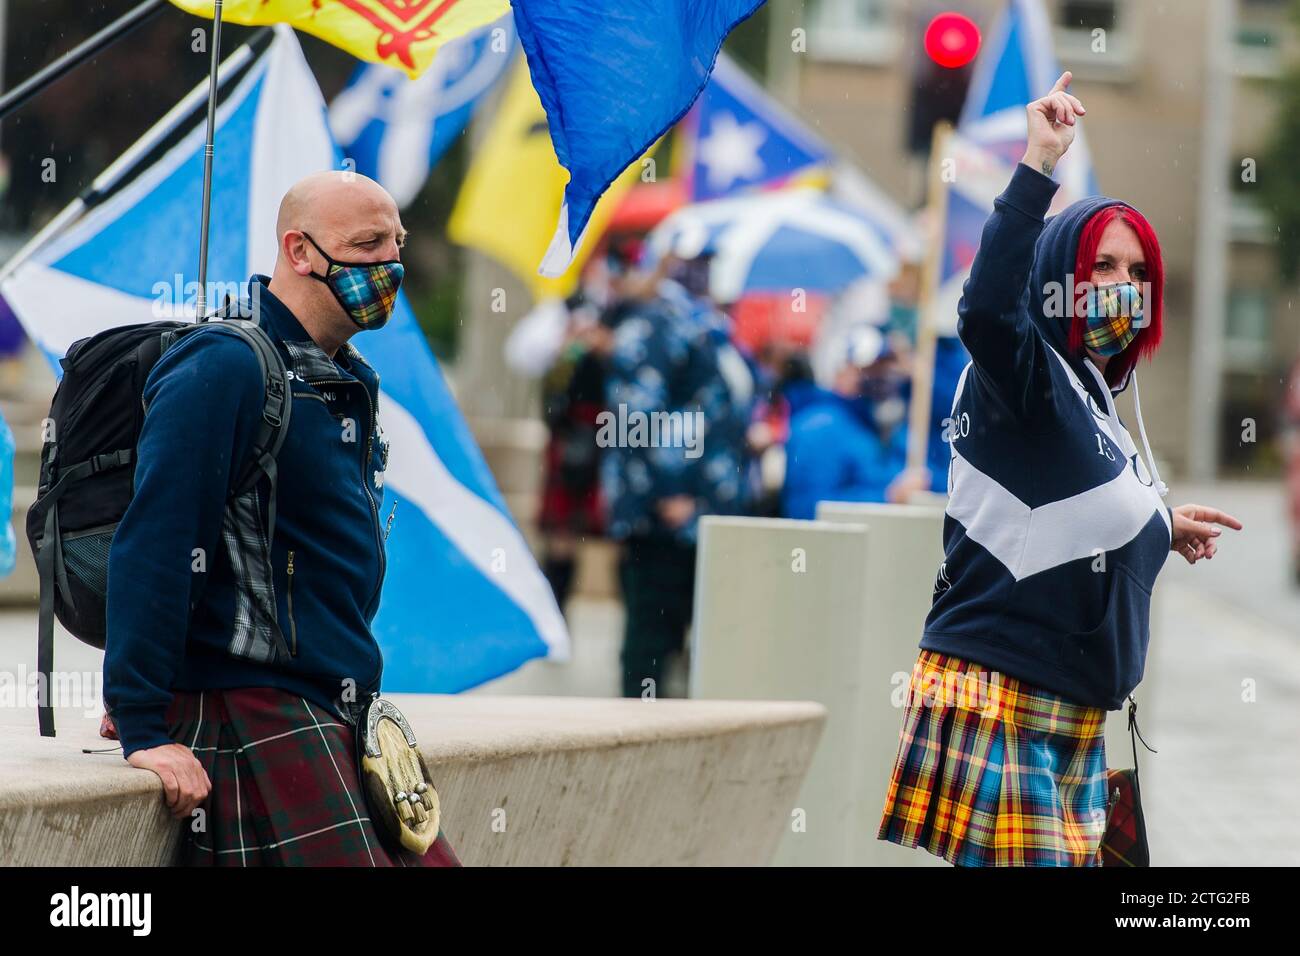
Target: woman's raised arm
[[990, 323]]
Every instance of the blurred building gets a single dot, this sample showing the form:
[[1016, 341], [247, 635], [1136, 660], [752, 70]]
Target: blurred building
[[1151, 111]]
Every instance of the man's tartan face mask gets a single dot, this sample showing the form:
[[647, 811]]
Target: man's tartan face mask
[[1113, 313], [366, 290]]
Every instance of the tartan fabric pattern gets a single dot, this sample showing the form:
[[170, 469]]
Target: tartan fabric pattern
[[1113, 312], [367, 292], [1125, 843], [1008, 776], [285, 790], [255, 631]]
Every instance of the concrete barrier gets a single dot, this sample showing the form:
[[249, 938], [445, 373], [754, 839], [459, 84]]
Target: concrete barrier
[[837, 632], [905, 548], [779, 613], [576, 781]]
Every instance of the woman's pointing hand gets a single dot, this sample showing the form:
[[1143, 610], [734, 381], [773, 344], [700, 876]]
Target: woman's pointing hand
[[1052, 120]]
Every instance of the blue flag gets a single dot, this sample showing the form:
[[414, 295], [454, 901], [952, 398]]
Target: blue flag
[[741, 138], [613, 78], [395, 129], [463, 600]]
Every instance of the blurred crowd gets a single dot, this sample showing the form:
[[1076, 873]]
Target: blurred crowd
[[659, 413]]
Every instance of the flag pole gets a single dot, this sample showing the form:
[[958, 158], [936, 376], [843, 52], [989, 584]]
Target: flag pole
[[208, 149], [918, 426], [83, 51], [106, 183]]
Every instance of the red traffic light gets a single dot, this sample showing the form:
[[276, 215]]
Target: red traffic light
[[952, 40]]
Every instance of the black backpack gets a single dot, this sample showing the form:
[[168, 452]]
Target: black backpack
[[88, 470]]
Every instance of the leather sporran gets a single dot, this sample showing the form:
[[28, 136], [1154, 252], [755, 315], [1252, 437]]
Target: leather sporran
[[398, 789]]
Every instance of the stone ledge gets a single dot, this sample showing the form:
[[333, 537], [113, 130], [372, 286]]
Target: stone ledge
[[582, 781]]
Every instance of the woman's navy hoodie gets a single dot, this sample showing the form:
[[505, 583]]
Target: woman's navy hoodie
[[198, 598], [1055, 529]]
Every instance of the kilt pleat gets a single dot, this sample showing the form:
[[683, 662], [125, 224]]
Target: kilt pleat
[[285, 790], [994, 772]]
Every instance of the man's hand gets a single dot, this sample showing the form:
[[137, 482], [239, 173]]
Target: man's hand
[[1051, 126], [906, 484], [676, 511], [185, 782], [106, 728], [1194, 530]]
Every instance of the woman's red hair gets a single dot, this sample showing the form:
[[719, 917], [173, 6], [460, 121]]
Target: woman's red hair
[[1148, 337]]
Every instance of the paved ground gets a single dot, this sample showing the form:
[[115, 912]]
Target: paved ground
[[1221, 699]]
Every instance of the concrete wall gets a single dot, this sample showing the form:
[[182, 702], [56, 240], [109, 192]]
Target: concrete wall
[[581, 782], [824, 611]]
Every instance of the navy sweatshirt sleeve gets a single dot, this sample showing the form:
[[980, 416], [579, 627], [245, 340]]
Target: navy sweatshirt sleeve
[[203, 399], [992, 324]]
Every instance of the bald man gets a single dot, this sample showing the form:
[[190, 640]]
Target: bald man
[[239, 644]]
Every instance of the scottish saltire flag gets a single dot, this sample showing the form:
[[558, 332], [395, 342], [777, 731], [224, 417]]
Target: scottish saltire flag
[[1016, 65], [613, 77], [395, 129], [401, 33], [741, 138], [463, 601]]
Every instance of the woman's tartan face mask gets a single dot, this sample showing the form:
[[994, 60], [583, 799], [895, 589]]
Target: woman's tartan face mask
[[366, 290], [1112, 313]]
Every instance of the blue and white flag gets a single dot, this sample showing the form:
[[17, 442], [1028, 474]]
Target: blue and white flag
[[742, 138], [464, 600], [396, 129], [613, 78]]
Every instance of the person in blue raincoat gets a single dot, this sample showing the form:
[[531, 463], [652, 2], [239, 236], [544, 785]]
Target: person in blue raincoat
[[849, 442]]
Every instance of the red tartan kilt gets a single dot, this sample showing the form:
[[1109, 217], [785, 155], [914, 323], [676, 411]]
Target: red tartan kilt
[[284, 785]]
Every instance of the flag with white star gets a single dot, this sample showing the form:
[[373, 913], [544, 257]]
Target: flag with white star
[[743, 139]]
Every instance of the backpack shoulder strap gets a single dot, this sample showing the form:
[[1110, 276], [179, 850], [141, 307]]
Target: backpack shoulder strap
[[277, 406]]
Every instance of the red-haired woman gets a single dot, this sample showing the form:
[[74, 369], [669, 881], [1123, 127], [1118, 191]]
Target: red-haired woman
[[1054, 533]]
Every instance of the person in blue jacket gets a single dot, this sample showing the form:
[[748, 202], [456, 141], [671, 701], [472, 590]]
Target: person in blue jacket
[[849, 442], [1054, 533]]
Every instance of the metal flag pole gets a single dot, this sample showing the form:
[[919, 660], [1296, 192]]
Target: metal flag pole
[[107, 182], [201, 304], [42, 78]]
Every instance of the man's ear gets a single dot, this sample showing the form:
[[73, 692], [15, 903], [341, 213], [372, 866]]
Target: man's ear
[[294, 247]]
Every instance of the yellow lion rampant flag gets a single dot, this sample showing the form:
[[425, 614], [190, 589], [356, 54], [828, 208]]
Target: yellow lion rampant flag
[[514, 188], [399, 33]]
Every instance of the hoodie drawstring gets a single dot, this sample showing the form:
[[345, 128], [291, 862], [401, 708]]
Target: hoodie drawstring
[[1160, 486]]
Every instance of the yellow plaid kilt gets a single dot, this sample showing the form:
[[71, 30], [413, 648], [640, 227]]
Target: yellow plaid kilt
[[994, 772]]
